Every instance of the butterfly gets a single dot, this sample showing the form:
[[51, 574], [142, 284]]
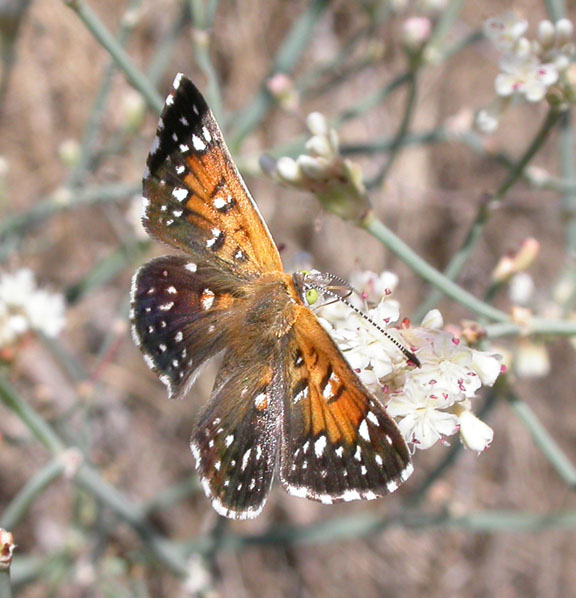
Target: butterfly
[[285, 401]]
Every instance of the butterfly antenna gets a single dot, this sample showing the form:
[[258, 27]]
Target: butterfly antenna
[[406, 352]]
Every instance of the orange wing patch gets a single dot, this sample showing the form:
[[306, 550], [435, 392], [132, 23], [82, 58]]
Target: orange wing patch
[[195, 198], [338, 442]]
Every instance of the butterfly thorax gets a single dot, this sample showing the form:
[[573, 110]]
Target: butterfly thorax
[[269, 308]]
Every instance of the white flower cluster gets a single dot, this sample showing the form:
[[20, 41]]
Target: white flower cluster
[[528, 68], [429, 402], [24, 307]]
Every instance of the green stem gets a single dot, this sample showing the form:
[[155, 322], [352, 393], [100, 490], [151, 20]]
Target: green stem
[[398, 140], [5, 585], [536, 326], [17, 508], [461, 257], [556, 9], [369, 524], [285, 61], [544, 440], [136, 78], [39, 428], [421, 267], [13, 228], [202, 21], [89, 479], [98, 112]]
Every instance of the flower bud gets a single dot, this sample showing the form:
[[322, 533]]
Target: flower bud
[[564, 31], [288, 169], [317, 124], [546, 33], [474, 433]]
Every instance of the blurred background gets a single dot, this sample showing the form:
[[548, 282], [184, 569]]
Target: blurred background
[[75, 129]]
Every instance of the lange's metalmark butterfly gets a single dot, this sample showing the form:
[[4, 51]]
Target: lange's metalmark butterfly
[[285, 400]]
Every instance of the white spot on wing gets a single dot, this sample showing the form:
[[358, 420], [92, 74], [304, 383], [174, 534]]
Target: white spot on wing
[[245, 459], [320, 445], [207, 299], [177, 80], [155, 145], [372, 418], [191, 267], [260, 400], [180, 193], [229, 439], [169, 100], [350, 495], [206, 134], [363, 430], [216, 232], [219, 203], [198, 144]]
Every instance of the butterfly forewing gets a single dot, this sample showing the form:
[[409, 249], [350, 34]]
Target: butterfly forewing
[[235, 439], [338, 442], [195, 200]]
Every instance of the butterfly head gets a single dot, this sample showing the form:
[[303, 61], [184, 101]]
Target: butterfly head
[[312, 285]]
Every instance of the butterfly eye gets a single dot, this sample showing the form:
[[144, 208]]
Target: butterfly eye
[[311, 296]]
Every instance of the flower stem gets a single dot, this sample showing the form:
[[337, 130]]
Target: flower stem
[[487, 203], [113, 47], [544, 440], [437, 279]]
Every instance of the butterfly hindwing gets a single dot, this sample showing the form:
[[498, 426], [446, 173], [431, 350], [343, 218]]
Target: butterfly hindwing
[[195, 199], [236, 437], [183, 313], [338, 442]]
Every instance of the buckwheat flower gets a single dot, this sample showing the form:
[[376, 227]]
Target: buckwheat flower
[[24, 307], [45, 312], [363, 344], [422, 416], [521, 289], [448, 363], [475, 434], [369, 289], [374, 287], [524, 75], [505, 31]]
